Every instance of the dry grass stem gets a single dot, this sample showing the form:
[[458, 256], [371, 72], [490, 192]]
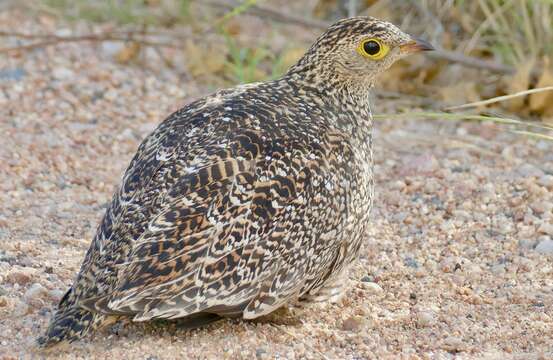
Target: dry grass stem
[[500, 98]]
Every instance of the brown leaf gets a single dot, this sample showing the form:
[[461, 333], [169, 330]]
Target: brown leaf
[[542, 103], [460, 93], [324, 8], [520, 81], [233, 27], [129, 53], [205, 59]]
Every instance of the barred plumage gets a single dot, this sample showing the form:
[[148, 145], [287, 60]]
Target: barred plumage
[[244, 200]]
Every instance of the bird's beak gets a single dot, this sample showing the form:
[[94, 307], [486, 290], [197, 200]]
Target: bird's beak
[[416, 45]]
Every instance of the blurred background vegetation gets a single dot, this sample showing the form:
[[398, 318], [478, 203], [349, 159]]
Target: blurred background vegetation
[[486, 48]]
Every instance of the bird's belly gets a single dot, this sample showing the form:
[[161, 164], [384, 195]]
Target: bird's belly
[[360, 200], [357, 222], [342, 231]]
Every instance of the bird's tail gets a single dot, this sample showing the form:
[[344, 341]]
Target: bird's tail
[[68, 325], [71, 322]]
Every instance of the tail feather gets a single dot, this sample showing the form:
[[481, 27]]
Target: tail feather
[[68, 325], [71, 322]]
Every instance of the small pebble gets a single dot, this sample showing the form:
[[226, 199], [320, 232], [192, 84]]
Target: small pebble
[[55, 294], [498, 269], [21, 309], [18, 277], [16, 74], [526, 244], [373, 287], [410, 262], [545, 246], [546, 181], [63, 32], [529, 170], [353, 323], [62, 73], [261, 353], [546, 228], [449, 264], [421, 164], [453, 344], [541, 207], [33, 296], [112, 48], [426, 318]]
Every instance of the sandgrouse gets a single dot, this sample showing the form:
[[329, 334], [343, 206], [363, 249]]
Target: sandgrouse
[[245, 200]]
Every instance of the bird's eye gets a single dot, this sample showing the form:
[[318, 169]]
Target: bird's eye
[[373, 49]]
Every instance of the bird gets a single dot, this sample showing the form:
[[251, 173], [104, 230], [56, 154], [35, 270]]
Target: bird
[[245, 200]]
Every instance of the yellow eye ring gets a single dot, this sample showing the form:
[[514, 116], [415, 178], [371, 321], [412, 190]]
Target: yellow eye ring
[[373, 49]]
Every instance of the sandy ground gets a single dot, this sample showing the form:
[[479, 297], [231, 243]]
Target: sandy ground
[[459, 263]]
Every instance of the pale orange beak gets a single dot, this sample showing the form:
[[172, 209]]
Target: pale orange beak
[[416, 45]]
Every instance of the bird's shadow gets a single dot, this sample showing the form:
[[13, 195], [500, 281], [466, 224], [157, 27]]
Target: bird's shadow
[[205, 321]]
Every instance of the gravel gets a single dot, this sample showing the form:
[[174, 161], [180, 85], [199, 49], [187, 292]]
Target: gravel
[[426, 318], [458, 262], [545, 246]]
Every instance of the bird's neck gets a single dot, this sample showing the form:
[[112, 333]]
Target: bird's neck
[[348, 107], [348, 99]]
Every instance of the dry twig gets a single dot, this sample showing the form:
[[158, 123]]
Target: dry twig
[[51, 39], [470, 61]]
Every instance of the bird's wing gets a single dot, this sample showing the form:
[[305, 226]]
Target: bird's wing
[[148, 175], [181, 142], [219, 242]]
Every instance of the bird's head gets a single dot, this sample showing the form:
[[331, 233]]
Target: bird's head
[[358, 49]]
